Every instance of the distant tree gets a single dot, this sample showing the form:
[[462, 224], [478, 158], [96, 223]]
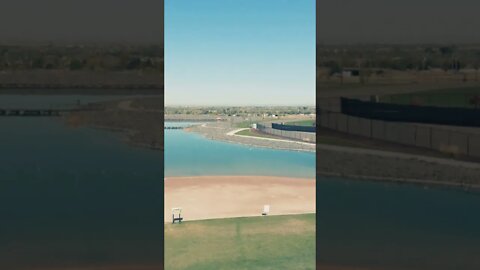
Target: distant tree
[[446, 65], [447, 50], [429, 50], [38, 62], [76, 64], [476, 66], [134, 63], [333, 67], [475, 101]]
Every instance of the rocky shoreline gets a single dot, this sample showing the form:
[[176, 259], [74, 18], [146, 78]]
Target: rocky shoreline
[[220, 131]]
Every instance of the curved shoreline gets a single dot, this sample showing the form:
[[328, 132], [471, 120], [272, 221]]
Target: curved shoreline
[[224, 133], [341, 161]]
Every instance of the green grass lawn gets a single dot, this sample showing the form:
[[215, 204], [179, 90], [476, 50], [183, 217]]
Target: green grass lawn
[[273, 242], [453, 97], [251, 132], [306, 123], [245, 124]]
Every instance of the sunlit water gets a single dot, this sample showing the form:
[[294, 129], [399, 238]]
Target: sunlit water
[[190, 154]]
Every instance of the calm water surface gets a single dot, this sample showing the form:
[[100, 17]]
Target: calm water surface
[[75, 196], [190, 154], [390, 226]]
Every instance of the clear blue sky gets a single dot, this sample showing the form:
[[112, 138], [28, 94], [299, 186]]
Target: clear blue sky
[[239, 52]]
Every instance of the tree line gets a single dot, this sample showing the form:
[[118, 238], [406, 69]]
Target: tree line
[[398, 57], [107, 58]]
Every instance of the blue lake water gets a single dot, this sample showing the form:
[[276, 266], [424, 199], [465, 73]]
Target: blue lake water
[[190, 154], [390, 226], [74, 197]]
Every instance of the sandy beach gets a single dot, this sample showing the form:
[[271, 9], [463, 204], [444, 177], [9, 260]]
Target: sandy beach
[[211, 197]]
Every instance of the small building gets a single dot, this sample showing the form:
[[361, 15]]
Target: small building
[[350, 72]]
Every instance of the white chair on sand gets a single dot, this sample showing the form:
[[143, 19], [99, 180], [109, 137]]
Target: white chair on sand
[[266, 210], [177, 210]]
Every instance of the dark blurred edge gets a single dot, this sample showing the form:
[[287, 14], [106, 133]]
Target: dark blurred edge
[[86, 226]]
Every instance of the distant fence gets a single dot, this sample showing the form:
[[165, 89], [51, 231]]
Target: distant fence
[[297, 135], [411, 113], [432, 137], [293, 127]]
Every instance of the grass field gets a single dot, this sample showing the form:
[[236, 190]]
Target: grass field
[[306, 123], [245, 124], [453, 97], [251, 132], [274, 242]]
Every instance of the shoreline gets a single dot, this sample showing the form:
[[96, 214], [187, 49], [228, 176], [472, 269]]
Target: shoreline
[[259, 146], [222, 132], [217, 197], [340, 161]]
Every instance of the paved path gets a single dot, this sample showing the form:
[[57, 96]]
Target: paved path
[[233, 132]]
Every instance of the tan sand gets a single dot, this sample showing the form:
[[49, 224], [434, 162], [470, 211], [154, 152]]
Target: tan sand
[[210, 197]]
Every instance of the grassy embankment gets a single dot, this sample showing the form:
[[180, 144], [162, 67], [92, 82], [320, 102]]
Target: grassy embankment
[[274, 242], [322, 139], [253, 133], [304, 123], [245, 124], [452, 97]]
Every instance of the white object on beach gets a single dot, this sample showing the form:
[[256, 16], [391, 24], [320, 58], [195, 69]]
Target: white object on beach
[[178, 211], [266, 209]]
